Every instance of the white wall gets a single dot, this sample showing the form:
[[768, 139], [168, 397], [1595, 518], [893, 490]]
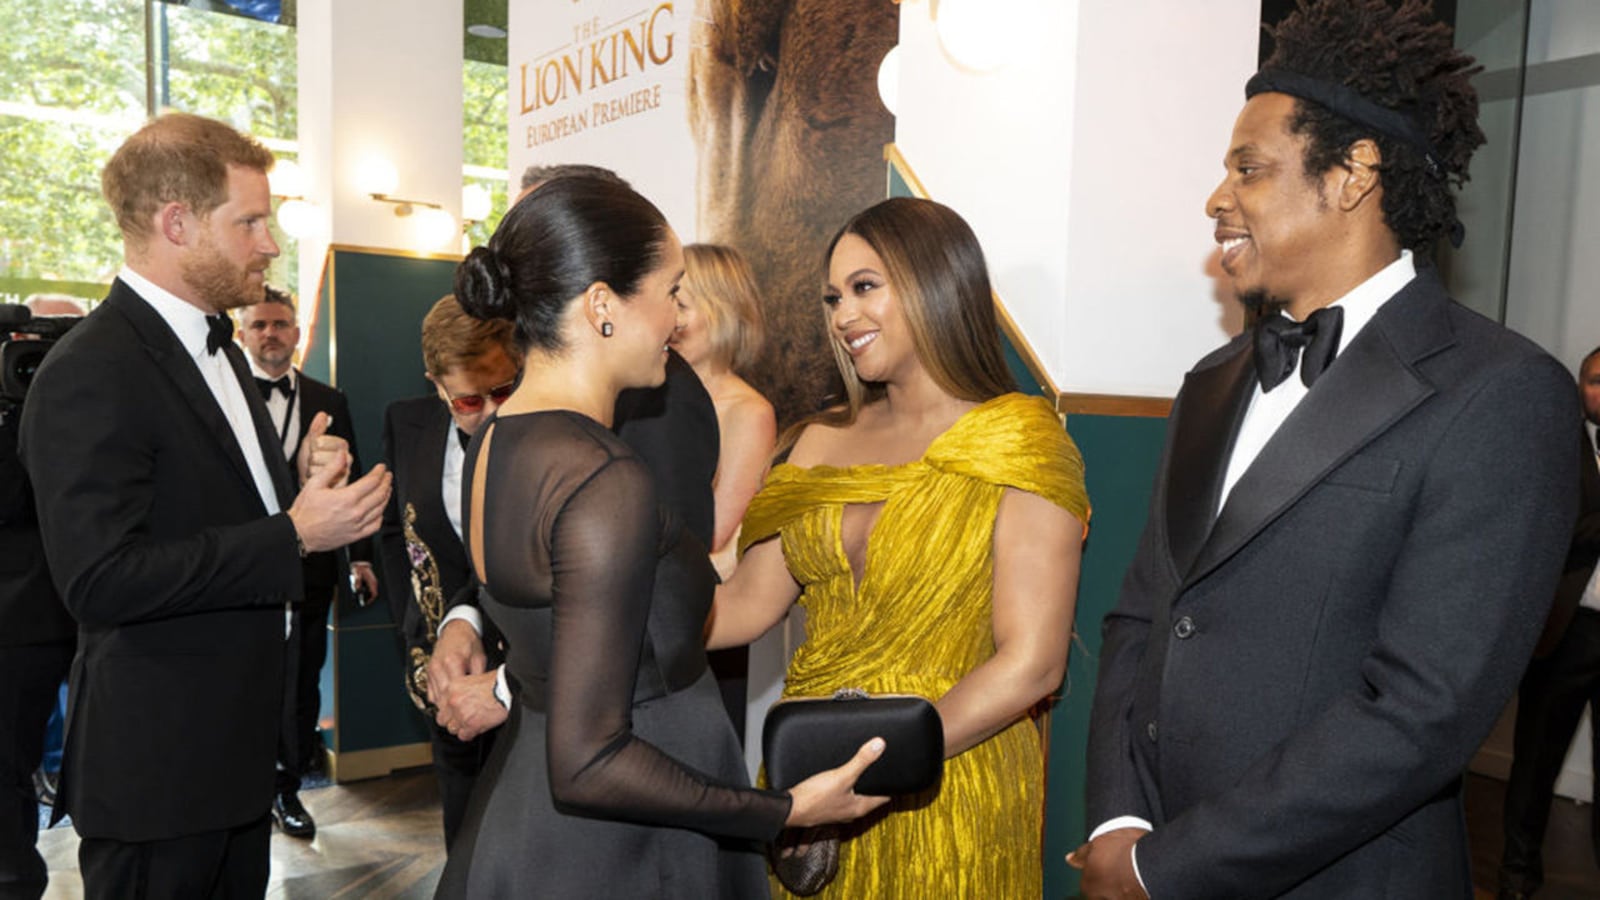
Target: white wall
[[1083, 167]]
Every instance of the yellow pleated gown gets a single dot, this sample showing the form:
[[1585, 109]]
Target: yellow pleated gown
[[919, 622]]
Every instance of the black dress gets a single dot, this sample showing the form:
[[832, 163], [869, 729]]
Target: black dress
[[617, 773]]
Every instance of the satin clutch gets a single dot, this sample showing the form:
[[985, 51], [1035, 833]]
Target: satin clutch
[[807, 735]]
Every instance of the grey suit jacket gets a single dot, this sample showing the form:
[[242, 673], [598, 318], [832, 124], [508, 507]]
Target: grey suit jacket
[[1290, 689]]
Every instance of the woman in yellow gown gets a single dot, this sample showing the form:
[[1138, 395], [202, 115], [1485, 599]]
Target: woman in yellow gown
[[931, 529]]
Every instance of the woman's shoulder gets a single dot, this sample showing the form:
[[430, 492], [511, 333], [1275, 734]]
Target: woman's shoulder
[[743, 405]]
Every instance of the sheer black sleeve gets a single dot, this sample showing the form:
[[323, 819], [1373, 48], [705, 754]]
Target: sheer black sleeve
[[603, 545]]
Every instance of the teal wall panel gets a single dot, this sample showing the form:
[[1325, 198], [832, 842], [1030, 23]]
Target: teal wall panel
[[367, 342], [1120, 455]]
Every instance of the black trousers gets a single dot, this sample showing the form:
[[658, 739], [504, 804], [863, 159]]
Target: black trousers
[[456, 763], [29, 679], [227, 865], [1550, 704], [299, 742]]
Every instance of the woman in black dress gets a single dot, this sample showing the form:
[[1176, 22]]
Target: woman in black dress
[[617, 773]]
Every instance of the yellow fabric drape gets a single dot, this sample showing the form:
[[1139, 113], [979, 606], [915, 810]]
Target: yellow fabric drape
[[919, 621]]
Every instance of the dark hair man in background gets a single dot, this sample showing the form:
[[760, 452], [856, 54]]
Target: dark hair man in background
[[1360, 513], [270, 333], [473, 365], [1561, 680], [37, 638], [172, 527]]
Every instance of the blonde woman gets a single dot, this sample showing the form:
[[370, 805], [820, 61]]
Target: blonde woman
[[720, 332]]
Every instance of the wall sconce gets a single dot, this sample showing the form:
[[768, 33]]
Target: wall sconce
[[475, 204], [978, 35], [297, 216], [889, 79]]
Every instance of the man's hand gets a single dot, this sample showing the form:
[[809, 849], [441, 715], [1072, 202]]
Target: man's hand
[[366, 582], [458, 653], [321, 450], [329, 514], [1107, 864], [469, 707]]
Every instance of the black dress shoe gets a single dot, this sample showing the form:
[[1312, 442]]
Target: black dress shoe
[[291, 816]]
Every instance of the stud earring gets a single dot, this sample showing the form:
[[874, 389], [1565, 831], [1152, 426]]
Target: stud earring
[[605, 329]]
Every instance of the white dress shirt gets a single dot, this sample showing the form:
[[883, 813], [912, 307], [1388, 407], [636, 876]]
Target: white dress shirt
[[285, 411], [1267, 413]]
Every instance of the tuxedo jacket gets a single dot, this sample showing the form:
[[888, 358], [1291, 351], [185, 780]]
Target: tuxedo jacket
[[425, 566], [1582, 556], [160, 546], [1290, 689], [327, 571], [30, 610]]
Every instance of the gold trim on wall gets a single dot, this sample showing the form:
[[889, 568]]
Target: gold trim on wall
[[358, 764], [1065, 403]]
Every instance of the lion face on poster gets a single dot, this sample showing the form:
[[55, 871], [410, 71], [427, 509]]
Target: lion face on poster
[[789, 134]]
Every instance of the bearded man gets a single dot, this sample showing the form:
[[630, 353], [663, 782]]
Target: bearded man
[[172, 527]]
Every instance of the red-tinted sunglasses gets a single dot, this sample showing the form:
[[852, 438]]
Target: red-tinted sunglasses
[[467, 404]]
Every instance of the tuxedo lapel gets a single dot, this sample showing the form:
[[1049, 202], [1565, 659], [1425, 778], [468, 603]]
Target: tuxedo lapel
[[266, 434], [1214, 403], [172, 360], [1371, 386], [431, 433]]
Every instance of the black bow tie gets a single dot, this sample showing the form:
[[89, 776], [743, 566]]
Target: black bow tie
[[267, 384], [1279, 341], [220, 332]]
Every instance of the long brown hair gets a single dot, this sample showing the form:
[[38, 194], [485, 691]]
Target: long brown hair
[[933, 262]]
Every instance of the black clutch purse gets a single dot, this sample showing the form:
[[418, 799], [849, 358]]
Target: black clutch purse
[[804, 736]]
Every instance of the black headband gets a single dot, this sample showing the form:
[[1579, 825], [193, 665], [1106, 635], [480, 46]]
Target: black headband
[[1345, 101]]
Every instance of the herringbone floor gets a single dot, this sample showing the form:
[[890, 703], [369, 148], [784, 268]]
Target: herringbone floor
[[381, 839], [378, 839]]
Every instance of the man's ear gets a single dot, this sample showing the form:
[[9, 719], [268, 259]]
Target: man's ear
[[174, 222], [1362, 176], [597, 301]]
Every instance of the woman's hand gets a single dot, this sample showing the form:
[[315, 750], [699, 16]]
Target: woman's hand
[[830, 797]]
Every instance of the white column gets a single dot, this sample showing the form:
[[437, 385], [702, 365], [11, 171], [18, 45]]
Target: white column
[[379, 80], [1083, 165]]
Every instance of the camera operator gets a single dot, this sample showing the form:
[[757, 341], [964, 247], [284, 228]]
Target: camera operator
[[37, 636]]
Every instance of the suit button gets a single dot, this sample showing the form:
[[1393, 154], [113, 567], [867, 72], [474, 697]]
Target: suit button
[[1183, 628], [1150, 731]]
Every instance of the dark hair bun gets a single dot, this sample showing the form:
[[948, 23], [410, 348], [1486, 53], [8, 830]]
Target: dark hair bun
[[483, 285]]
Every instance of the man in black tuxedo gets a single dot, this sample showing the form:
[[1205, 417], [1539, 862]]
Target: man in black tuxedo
[[1561, 680], [473, 365], [1359, 517], [172, 528], [270, 333]]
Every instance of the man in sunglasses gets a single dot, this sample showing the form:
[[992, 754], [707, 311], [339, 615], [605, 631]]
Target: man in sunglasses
[[473, 366], [270, 332]]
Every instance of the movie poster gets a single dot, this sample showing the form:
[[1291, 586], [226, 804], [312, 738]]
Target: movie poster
[[754, 123]]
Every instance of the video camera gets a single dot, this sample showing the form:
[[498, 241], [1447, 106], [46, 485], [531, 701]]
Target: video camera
[[24, 341]]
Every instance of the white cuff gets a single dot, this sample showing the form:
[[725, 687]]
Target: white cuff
[[1133, 852], [1121, 822], [463, 613], [502, 693]]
